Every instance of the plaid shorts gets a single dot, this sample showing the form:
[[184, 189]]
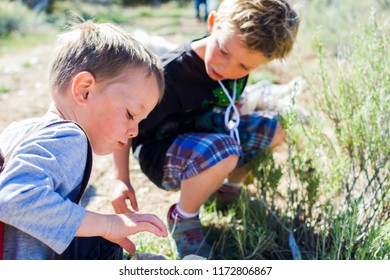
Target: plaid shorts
[[192, 153]]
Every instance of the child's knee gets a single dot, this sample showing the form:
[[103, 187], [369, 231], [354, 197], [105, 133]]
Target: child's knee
[[279, 137], [230, 163]]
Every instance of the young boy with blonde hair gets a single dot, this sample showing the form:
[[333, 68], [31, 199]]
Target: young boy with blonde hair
[[196, 140], [103, 83]]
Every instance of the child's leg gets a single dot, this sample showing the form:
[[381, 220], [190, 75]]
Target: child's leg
[[198, 164], [279, 137], [261, 131], [196, 190], [237, 175], [230, 190]]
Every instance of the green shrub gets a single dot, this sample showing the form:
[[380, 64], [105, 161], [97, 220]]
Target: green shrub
[[15, 17], [330, 198], [354, 98]]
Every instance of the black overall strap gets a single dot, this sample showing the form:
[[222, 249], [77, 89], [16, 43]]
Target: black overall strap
[[1, 240], [2, 160], [87, 172]]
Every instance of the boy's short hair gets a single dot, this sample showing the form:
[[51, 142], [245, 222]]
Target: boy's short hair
[[266, 26], [104, 50]]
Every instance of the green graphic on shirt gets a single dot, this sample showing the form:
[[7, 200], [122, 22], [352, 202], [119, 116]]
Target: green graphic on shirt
[[220, 96]]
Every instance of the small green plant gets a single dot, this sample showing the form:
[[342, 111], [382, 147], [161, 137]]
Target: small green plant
[[146, 242], [4, 89]]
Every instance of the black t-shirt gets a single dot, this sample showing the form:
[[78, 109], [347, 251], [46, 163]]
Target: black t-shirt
[[189, 96]]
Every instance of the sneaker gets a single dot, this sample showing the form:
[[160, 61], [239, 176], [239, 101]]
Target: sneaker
[[188, 236], [226, 196]]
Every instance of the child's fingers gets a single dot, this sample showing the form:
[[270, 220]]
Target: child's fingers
[[128, 245], [120, 205], [123, 191], [134, 203], [131, 196], [149, 227], [151, 223], [154, 220]]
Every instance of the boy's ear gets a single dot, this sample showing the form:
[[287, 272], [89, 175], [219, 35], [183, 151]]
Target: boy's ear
[[211, 21], [82, 84]]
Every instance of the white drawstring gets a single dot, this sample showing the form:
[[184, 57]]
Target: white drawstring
[[230, 124]]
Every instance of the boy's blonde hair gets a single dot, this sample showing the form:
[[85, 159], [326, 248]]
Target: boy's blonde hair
[[266, 26], [104, 50]]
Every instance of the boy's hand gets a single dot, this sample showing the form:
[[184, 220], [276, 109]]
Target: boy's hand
[[124, 192], [120, 226]]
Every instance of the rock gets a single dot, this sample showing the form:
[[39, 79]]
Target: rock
[[147, 256]]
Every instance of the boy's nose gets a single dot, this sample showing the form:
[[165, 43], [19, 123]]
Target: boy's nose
[[132, 132], [226, 70]]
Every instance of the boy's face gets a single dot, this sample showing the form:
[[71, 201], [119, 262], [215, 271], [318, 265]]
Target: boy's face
[[116, 108], [226, 57]]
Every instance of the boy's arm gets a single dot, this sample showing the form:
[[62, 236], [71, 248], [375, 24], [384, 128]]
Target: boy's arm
[[117, 227], [123, 187]]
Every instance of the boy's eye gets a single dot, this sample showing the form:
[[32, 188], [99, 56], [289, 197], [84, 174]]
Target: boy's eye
[[129, 115], [223, 52], [220, 49]]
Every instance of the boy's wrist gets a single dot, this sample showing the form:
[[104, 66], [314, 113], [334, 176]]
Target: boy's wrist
[[94, 224], [107, 226], [123, 176]]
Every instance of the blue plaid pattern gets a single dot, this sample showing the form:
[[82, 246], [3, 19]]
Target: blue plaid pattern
[[256, 132], [192, 153]]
